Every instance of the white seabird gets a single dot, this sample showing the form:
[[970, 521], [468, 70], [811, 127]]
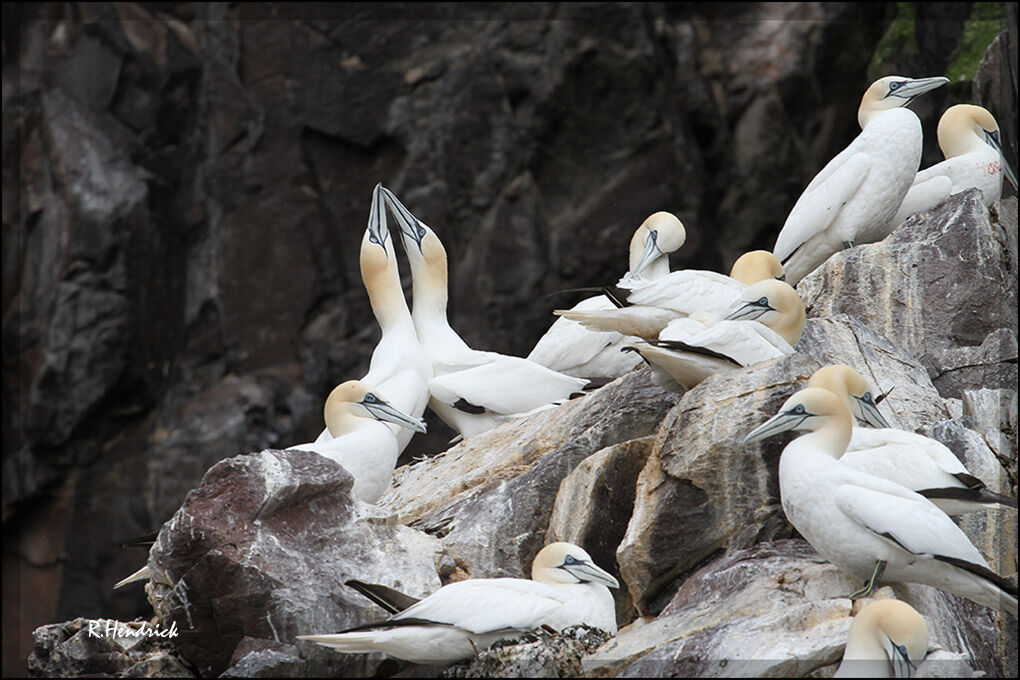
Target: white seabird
[[912, 460], [681, 293], [463, 618], [472, 391], [870, 528], [854, 197], [361, 443], [887, 639], [571, 349], [969, 139], [766, 323]]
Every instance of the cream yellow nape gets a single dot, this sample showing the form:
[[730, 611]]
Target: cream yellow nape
[[887, 639], [757, 265]]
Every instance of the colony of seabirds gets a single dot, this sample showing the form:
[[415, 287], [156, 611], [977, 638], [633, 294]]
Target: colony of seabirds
[[874, 502]]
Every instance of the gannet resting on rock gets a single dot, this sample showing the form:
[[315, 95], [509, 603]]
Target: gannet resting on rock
[[887, 639], [854, 197], [767, 323], [472, 391], [362, 444], [871, 528], [463, 618], [399, 368], [969, 139], [912, 460], [571, 349], [681, 293]]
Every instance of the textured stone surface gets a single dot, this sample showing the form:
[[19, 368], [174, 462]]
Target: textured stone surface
[[535, 655]]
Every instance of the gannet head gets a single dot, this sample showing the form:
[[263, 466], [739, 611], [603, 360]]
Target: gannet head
[[812, 408], [660, 234], [891, 630], [755, 266], [559, 563], [855, 390], [893, 92], [963, 126], [359, 400], [412, 230], [775, 304]]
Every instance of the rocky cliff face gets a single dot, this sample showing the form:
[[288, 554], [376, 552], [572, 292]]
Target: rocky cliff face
[[180, 273]]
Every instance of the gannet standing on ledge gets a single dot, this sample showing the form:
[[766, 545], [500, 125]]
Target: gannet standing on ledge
[[869, 527], [887, 639], [464, 618], [571, 349], [472, 391], [854, 197], [969, 139]]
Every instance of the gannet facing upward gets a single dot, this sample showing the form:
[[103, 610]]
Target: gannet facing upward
[[887, 639], [571, 349], [681, 293], [361, 443], [869, 527], [767, 323], [969, 139], [471, 391], [912, 460], [463, 618], [854, 197]]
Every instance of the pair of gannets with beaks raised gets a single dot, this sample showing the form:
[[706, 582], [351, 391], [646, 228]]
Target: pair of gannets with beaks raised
[[766, 323], [912, 460], [887, 639], [870, 528], [472, 391], [572, 349], [681, 293], [969, 139], [463, 618], [854, 197]]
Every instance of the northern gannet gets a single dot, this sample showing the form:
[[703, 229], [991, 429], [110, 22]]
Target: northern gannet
[[472, 391], [969, 139], [870, 528], [571, 349], [912, 460], [854, 197], [463, 618], [766, 323], [887, 639], [681, 293], [361, 443]]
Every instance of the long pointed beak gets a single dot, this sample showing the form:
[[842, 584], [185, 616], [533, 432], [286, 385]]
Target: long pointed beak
[[903, 667], [781, 422], [378, 232], [748, 312], [1006, 169], [586, 571], [651, 253], [382, 410], [869, 413], [408, 223], [919, 86]]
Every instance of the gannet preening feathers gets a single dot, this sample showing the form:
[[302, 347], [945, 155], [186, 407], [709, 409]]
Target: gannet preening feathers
[[765, 323], [871, 528], [854, 197], [912, 460], [355, 413], [463, 618], [887, 639], [654, 305], [472, 391], [571, 349], [969, 139]]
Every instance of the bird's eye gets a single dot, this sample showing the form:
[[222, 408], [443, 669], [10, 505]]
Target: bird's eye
[[763, 301], [569, 559], [798, 409], [995, 135], [894, 86], [370, 398], [421, 231], [866, 398]]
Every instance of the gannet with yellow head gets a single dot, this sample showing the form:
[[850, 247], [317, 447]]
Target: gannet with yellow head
[[854, 197], [887, 639], [869, 527], [917, 462], [463, 618]]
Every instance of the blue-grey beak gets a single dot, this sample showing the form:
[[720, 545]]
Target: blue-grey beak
[[913, 87], [408, 223], [588, 572], [651, 253], [992, 137], [867, 410], [749, 311], [382, 410], [378, 232], [781, 422]]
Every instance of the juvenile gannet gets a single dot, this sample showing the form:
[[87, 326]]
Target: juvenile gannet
[[917, 462], [463, 618], [471, 391], [887, 639], [571, 349], [681, 293], [360, 442], [969, 139], [766, 323], [854, 197], [871, 528]]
